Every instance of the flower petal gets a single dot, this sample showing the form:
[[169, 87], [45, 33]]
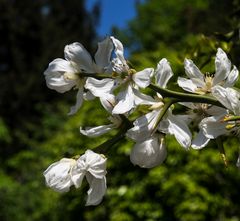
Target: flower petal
[[150, 153], [99, 88], [192, 70], [125, 101], [231, 78], [108, 102], [79, 102], [163, 73], [174, 126], [228, 97], [187, 84], [77, 178], [54, 75], [143, 78], [213, 127], [119, 51], [222, 67], [79, 55], [143, 126], [96, 131], [97, 190], [58, 176], [103, 54], [200, 141], [142, 99]]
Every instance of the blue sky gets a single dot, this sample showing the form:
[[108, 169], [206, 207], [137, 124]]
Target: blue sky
[[113, 12]]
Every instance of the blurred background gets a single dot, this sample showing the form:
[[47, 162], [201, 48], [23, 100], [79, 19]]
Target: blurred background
[[35, 130]]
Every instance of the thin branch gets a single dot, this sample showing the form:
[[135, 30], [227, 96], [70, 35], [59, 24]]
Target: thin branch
[[185, 97]]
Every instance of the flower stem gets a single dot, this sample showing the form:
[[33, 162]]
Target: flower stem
[[184, 97], [127, 124], [162, 113], [95, 75], [222, 151]]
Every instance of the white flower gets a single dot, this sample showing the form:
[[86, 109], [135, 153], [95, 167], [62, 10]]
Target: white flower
[[222, 124], [199, 111], [61, 175], [64, 74], [202, 84], [127, 78], [130, 81], [149, 153], [93, 166], [147, 125]]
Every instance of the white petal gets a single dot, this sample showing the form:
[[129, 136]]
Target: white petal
[[125, 101], [213, 126], [228, 97], [187, 84], [58, 176], [231, 78], [79, 101], [200, 141], [234, 97], [97, 190], [163, 73], [150, 153], [192, 70], [222, 67], [99, 88], [60, 65], [179, 129], [143, 78], [143, 126], [142, 99], [93, 163], [77, 53], [96, 131], [108, 102], [103, 54], [119, 51], [77, 178]]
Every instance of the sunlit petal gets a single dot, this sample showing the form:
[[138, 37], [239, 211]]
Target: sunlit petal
[[163, 73], [222, 66], [192, 70], [187, 84], [149, 153], [79, 55], [143, 78], [96, 131]]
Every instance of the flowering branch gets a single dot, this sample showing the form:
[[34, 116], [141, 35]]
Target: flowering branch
[[211, 101]]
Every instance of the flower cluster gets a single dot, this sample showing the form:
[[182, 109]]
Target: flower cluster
[[213, 108]]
